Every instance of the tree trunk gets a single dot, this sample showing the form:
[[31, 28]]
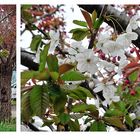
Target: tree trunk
[[5, 92]]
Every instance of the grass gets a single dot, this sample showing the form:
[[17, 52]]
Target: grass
[[8, 125]]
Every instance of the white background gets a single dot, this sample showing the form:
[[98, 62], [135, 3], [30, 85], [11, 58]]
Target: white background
[[59, 135]]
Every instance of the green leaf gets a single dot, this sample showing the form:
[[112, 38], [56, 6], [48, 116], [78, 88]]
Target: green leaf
[[26, 15], [119, 106], [84, 90], [54, 75], [64, 118], [27, 75], [79, 33], [94, 16], [113, 112], [26, 111], [79, 108], [137, 89], [39, 101], [80, 93], [36, 40], [115, 121], [73, 76], [83, 107], [52, 63], [133, 76], [81, 23], [74, 125], [26, 6], [57, 97], [128, 120], [98, 23], [43, 58], [98, 126], [44, 75], [59, 103]]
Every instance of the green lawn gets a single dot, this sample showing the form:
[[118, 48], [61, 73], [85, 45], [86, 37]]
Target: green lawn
[[8, 126]]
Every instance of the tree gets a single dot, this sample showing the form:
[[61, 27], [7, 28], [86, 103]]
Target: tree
[[7, 57], [64, 77]]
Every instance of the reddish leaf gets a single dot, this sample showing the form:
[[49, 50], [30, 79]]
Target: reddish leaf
[[87, 18], [37, 13], [64, 68], [131, 65]]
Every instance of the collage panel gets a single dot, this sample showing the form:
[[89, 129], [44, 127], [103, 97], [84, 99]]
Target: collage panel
[[80, 67], [7, 67]]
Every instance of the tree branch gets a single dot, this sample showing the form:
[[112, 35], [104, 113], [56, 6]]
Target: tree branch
[[120, 17], [27, 60], [7, 15]]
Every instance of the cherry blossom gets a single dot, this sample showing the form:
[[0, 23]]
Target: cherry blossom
[[108, 66], [76, 47], [54, 35], [87, 62], [108, 92], [133, 23], [125, 39]]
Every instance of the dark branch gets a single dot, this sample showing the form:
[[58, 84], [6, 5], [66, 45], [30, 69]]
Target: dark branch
[[27, 60], [120, 17]]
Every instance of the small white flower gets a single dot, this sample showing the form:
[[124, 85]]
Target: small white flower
[[87, 62], [108, 66], [109, 97], [76, 47], [122, 64], [132, 116], [108, 92], [54, 35], [125, 39], [102, 39], [133, 23], [105, 87]]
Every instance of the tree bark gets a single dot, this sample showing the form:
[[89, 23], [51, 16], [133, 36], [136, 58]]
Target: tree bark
[[120, 17], [5, 92]]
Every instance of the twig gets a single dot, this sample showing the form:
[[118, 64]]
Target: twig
[[7, 15], [94, 33]]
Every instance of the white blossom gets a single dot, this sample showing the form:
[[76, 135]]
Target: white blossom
[[125, 39], [54, 35], [108, 92], [102, 39], [122, 64], [133, 23], [132, 116], [87, 62], [76, 47], [108, 66]]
